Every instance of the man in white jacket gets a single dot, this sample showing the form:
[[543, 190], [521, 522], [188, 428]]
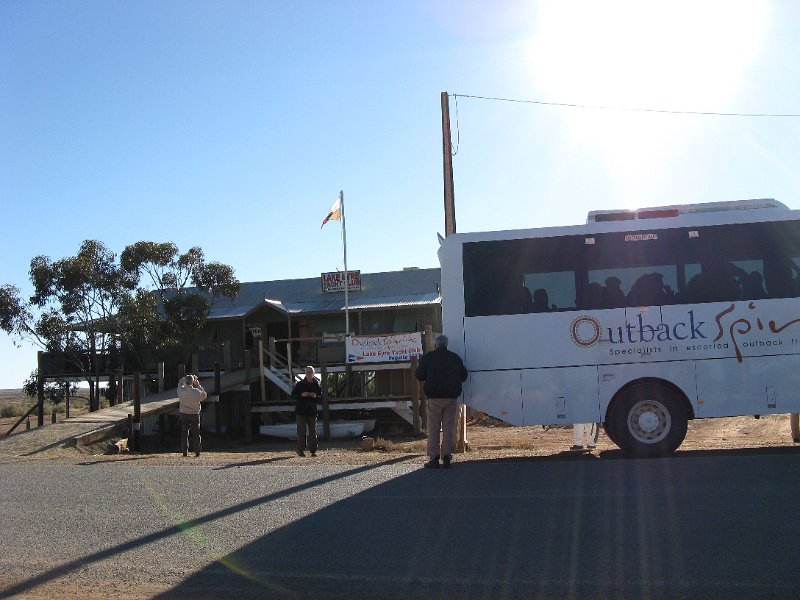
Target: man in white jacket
[[191, 394]]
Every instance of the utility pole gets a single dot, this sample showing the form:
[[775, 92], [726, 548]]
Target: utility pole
[[449, 229], [447, 158]]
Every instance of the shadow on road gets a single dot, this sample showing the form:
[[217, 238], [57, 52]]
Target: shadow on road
[[568, 526], [583, 527], [252, 463], [114, 460], [23, 587]]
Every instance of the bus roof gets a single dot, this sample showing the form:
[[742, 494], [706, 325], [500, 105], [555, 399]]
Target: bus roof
[[657, 217], [674, 210]]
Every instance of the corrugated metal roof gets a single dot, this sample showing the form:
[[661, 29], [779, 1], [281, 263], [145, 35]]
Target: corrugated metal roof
[[393, 289]]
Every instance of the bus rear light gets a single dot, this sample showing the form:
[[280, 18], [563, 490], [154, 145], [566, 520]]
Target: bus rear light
[[616, 216], [658, 214]]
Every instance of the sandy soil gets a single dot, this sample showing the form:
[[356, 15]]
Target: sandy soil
[[487, 439]]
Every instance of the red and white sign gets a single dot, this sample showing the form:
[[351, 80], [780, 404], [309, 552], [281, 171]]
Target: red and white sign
[[334, 282]]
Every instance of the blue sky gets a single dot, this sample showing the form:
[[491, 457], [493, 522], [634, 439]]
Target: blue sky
[[233, 125]]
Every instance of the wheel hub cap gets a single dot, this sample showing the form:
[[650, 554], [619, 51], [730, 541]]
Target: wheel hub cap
[[648, 422]]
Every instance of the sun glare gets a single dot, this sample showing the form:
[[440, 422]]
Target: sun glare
[[675, 55]]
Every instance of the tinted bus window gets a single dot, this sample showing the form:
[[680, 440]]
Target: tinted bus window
[[520, 276], [642, 268]]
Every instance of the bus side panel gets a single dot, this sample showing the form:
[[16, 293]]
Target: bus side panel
[[453, 301], [559, 396], [612, 378], [523, 341], [755, 386], [497, 393]]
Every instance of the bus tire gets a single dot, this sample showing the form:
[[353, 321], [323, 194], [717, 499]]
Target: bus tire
[[609, 431], [649, 420]]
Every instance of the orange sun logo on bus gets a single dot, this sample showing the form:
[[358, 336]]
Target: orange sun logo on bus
[[585, 331]]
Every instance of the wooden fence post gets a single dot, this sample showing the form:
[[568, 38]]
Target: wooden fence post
[[248, 421], [461, 429], [226, 357], [415, 397], [137, 409], [39, 390], [326, 415], [289, 358], [120, 387], [261, 369], [161, 377], [218, 403]]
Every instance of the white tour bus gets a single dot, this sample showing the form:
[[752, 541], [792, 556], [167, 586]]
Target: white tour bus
[[640, 320]]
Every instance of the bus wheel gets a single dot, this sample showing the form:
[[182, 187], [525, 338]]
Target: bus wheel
[[649, 419], [610, 432]]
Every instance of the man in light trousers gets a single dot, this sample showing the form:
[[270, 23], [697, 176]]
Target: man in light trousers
[[442, 371], [191, 394], [589, 431]]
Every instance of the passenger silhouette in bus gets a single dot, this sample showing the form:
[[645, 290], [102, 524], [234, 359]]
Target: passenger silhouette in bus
[[526, 301], [615, 297], [717, 281], [753, 286], [596, 297], [648, 290], [778, 276], [738, 275], [540, 301]]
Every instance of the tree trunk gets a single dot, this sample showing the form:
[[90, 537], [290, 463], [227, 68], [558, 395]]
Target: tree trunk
[[91, 395]]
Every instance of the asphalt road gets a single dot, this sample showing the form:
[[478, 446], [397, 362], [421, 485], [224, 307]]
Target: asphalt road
[[718, 526]]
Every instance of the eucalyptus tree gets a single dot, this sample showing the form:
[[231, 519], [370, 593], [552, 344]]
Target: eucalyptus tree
[[176, 293], [148, 305], [72, 310]]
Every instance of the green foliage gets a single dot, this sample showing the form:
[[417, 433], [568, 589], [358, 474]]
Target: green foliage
[[169, 276], [11, 410], [148, 305], [54, 391]]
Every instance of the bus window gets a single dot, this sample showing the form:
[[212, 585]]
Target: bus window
[[780, 276], [713, 281], [520, 276], [632, 286], [552, 291]]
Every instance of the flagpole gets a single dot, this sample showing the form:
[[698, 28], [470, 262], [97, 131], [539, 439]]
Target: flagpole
[[346, 282]]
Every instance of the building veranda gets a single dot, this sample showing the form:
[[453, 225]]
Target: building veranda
[[255, 345]]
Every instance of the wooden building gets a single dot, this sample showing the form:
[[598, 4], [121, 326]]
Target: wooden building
[[282, 326]]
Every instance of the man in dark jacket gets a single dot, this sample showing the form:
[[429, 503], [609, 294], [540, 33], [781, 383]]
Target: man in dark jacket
[[306, 392], [442, 371]]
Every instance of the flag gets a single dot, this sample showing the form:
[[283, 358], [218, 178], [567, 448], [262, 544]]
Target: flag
[[335, 213]]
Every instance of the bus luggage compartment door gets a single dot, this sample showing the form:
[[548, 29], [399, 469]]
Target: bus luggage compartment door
[[497, 393], [560, 396], [757, 385]]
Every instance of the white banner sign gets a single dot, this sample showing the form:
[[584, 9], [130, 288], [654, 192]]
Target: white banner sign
[[383, 348]]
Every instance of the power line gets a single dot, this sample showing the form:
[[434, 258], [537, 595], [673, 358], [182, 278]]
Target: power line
[[628, 109]]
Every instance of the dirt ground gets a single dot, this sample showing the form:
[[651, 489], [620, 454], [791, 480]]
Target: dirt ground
[[487, 439]]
